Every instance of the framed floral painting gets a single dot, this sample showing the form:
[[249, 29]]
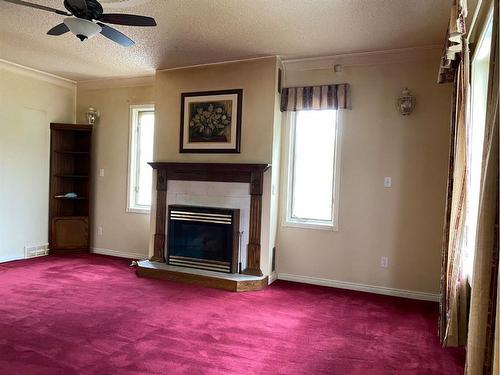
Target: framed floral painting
[[211, 121]]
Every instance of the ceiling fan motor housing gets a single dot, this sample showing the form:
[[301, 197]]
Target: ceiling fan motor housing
[[94, 10]]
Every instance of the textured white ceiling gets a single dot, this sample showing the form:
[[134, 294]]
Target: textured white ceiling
[[193, 32]]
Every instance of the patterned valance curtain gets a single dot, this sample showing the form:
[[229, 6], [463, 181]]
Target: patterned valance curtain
[[454, 42], [315, 97]]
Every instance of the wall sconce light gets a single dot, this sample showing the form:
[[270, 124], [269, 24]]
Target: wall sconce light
[[406, 102], [91, 115]]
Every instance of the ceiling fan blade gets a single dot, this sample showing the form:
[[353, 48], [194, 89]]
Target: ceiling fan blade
[[58, 30], [115, 35], [127, 19], [37, 6]]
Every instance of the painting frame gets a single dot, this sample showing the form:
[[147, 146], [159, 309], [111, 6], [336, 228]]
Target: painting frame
[[224, 104]]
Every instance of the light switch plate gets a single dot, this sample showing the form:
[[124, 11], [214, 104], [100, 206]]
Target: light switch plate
[[387, 182], [101, 172]]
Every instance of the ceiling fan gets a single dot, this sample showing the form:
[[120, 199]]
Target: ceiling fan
[[87, 19]]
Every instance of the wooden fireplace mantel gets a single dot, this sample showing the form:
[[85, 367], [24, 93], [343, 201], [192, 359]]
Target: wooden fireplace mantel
[[217, 172]]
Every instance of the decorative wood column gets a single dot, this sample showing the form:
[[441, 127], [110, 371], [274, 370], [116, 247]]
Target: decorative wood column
[[253, 248], [161, 216], [222, 172]]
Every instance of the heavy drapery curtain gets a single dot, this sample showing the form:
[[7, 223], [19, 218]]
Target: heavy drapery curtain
[[496, 349], [453, 307], [315, 97], [483, 320], [453, 303]]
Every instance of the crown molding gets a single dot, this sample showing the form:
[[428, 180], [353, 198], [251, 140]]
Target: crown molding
[[37, 74], [218, 63], [390, 56], [110, 83]]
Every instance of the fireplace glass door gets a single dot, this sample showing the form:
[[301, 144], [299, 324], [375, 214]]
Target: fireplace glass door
[[203, 237]]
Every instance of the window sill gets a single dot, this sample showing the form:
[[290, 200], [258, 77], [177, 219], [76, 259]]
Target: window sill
[[313, 226], [135, 210]]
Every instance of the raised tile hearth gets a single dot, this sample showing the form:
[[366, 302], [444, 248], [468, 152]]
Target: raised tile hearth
[[234, 282]]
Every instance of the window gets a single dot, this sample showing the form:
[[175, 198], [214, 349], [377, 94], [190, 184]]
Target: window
[[475, 133], [313, 164], [140, 153]]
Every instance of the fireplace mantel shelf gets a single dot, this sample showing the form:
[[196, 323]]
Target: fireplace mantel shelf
[[250, 173], [221, 172], [191, 165]]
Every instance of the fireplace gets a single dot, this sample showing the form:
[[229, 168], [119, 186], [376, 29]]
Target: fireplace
[[203, 237], [251, 277], [253, 174]]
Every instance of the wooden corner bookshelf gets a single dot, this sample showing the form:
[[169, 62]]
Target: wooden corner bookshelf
[[70, 146]]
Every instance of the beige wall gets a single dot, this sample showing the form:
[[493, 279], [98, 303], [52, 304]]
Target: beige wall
[[257, 78], [275, 178], [122, 232], [30, 102], [404, 222], [260, 124]]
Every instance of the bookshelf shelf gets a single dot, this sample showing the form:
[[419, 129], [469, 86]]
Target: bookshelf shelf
[[70, 176], [71, 199], [66, 152]]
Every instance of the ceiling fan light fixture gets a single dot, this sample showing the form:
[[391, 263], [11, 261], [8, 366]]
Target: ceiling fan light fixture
[[82, 28]]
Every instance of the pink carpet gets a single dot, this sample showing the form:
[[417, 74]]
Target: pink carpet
[[91, 314]]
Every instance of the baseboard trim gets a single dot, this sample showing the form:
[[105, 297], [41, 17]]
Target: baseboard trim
[[360, 287], [118, 253], [273, 277], [11, 259]]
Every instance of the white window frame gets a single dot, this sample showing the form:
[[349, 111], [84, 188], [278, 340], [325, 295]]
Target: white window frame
[[468, 244], [287, 219], [132, 159]]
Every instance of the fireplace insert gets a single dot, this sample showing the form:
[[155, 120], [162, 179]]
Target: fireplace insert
[[203, 237]]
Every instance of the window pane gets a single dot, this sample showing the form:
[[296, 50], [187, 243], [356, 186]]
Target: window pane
[[479, 96], [313, 165], [145, 155]]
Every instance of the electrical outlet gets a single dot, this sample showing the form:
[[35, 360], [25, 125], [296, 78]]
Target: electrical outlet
[[387, 182], [101, 172], [99, 231], [384, 262]]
